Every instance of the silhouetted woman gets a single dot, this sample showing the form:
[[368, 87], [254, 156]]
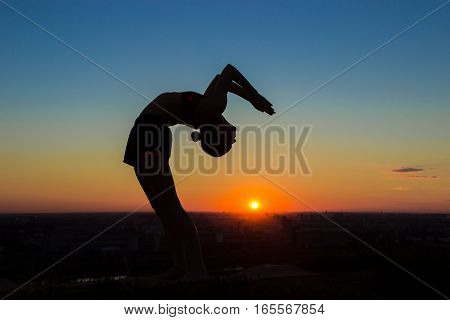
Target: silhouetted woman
[[148, 151]]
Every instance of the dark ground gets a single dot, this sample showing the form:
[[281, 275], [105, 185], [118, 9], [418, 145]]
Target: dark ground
[[118, 264]]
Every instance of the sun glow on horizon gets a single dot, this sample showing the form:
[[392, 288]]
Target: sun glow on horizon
[[254, 205]]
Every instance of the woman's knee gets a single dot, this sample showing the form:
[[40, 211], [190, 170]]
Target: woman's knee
[[228, 70]]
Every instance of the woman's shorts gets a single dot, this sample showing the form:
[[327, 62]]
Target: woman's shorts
[[149, 145]]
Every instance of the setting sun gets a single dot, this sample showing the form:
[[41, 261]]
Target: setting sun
[[254, 205]]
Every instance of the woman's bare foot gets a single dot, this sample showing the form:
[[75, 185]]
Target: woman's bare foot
[[171, 273]]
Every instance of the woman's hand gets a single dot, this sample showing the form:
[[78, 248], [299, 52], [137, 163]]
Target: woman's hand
[[262, 104]]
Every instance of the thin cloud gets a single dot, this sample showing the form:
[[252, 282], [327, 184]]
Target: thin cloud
[[407, 170], [407, 173], [424, 177]]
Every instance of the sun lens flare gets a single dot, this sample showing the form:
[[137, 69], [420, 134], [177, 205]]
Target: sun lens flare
[[254, 205]]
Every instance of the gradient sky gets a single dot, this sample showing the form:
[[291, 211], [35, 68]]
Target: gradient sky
[[64, 123]]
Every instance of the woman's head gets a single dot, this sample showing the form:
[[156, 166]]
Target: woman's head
[[217, 138]]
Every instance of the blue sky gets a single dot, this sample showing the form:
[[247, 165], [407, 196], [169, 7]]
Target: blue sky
[[286, 48], [399, 96]]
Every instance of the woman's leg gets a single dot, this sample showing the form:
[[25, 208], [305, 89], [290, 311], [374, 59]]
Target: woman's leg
[[215, 100], [212, 86], [154, 175], [157, 182], [160, 190], [227, 76], [231, 87], [180, 230], [231, 80], [194, 253]]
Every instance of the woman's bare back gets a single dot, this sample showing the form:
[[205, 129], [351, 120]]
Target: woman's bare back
[[167, 105]]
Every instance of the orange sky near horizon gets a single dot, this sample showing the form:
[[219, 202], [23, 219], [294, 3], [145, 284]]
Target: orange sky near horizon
[[74, 180]]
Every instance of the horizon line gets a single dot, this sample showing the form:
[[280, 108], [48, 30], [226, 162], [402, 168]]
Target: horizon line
[[231, 212]]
